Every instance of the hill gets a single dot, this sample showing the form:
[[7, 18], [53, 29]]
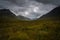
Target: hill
[[53, 15], [6, 12]]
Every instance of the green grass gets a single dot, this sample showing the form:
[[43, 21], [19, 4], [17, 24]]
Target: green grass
[[44, 29]]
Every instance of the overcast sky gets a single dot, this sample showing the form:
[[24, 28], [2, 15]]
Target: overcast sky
[[32, 9]]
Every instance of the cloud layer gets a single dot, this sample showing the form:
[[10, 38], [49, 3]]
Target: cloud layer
[[56, 2], [28, 8]]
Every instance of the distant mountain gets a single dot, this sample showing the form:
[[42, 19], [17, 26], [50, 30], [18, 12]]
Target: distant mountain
[[54, 14], [22, 18]]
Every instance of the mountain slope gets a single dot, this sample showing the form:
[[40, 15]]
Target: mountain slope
[[53, 15], [23, 18], [6, 12]]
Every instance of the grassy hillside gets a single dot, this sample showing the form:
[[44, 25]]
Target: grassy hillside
[[44, 29], [47, 28]]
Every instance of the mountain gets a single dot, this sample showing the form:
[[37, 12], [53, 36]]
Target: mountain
[[22, 18], [6, 16], [6, 12], [53, 15]]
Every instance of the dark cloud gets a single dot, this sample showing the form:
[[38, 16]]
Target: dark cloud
[[56, 2]]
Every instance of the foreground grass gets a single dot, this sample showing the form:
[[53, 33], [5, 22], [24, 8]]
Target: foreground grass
[[45, 29]]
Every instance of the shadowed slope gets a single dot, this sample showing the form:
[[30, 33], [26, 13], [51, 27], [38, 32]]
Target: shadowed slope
[[53, 15], [6, 12]]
